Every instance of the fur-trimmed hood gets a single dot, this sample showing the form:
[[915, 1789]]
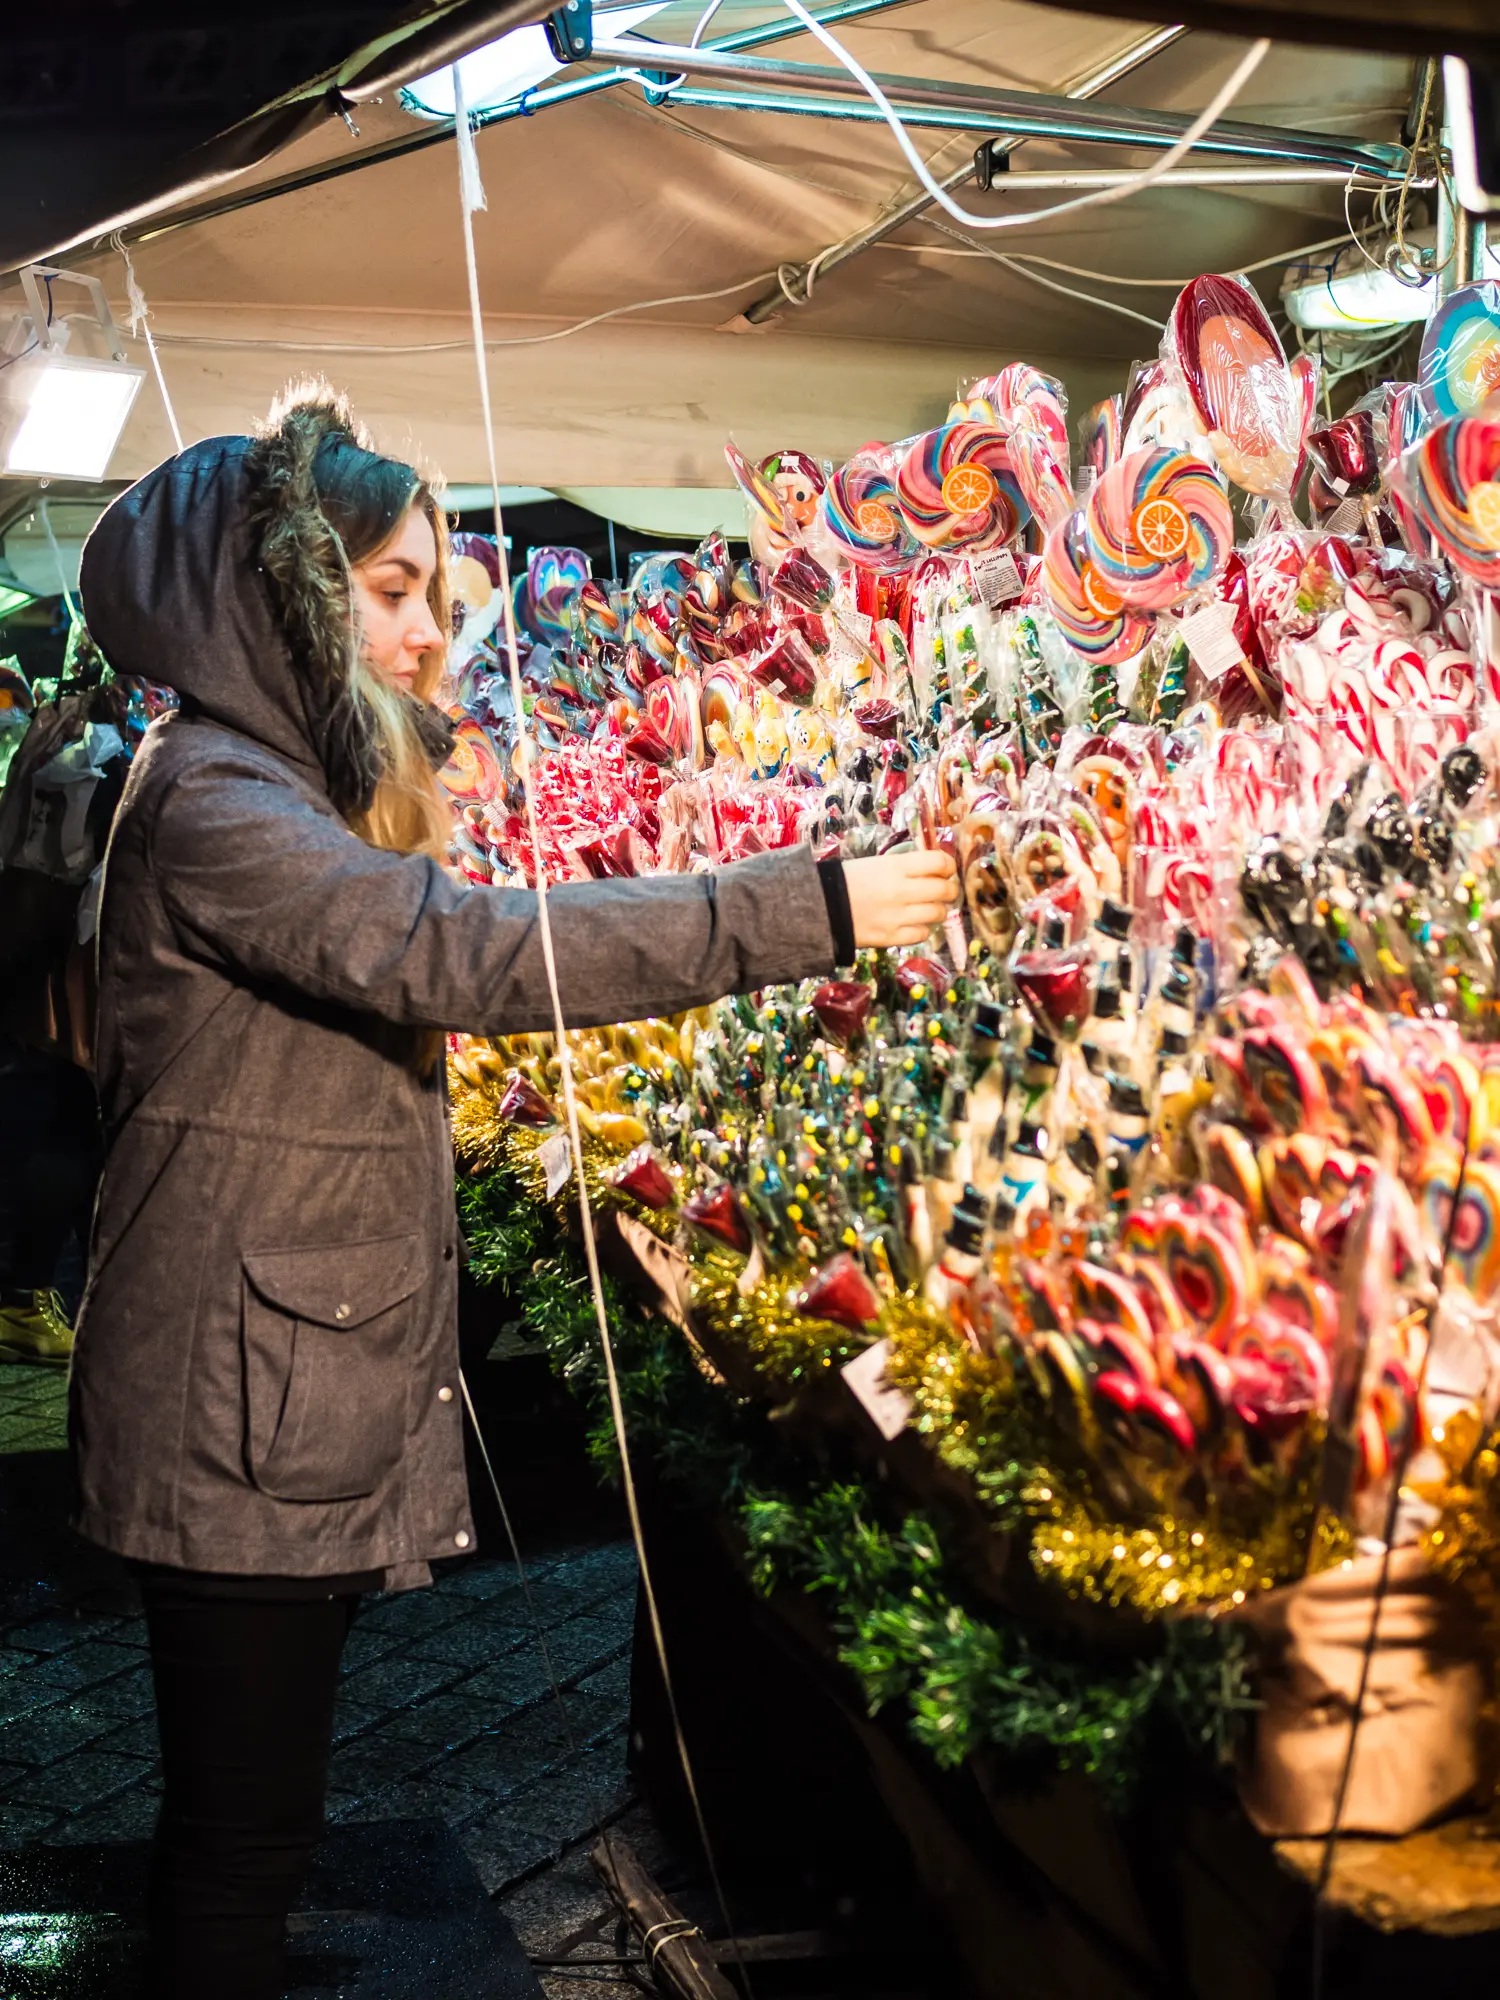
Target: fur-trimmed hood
[[218, 575]]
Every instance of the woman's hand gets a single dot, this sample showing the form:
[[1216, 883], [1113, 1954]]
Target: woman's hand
[[897, 898]]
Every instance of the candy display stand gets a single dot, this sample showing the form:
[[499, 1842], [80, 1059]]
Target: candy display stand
[[1082, 1329]]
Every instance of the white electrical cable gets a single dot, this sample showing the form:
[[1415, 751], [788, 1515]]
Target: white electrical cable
[[472, 196], [140, 325], [1096, 198], [1023, 270], [455, 346]]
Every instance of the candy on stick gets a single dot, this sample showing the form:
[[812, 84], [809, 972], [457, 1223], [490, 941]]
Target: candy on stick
[[1041, 474], [1157, 410], [1020, 393], [1157, 526], [1459, 366], [1451, 481], [863, 515], [957, 489], [1101, 435], [472, 774], [1232, 363], [1091, 616], [1305, 376]]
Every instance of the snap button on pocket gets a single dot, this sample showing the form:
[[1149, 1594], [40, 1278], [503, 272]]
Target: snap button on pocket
[[461, 1540], [341, 1312], [445, 1394]]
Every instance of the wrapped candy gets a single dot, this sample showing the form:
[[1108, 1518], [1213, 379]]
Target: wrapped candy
[[1231, 362]]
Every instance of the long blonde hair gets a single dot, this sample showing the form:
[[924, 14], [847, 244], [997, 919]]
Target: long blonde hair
[[409, 812]]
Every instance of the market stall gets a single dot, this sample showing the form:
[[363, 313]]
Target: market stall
[[1080, 1331]]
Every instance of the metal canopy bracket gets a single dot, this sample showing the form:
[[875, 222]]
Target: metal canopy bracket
[[989, 160], [570, 31]]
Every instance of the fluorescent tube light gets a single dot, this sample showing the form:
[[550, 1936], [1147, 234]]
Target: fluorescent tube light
[[1354, 297]]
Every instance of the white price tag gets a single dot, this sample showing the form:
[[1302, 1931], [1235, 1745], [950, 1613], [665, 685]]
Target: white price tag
[[1338, 484], [888, 1409], [556, 1156], [860, 624], [1209, 636], [996, 577]]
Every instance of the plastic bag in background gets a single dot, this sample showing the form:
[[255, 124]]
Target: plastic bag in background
[[1101, 436], [1459, 366], [1157, 410], [1225, 351], [1349, 456]]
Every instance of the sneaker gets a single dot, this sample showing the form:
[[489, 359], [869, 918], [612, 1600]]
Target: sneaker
[[39, 1332]]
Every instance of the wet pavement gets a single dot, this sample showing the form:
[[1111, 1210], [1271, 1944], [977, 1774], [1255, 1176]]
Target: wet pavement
[[446, 1713]]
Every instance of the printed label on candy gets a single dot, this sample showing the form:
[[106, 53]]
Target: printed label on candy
[[1345, 518], [861, 624], [996, 577], [888, 1409], [556, 1157], [1209, 636]]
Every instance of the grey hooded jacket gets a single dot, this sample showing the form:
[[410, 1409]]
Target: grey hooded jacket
[[266, 1363]]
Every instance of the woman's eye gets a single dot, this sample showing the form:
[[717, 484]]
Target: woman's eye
[[394, 596]]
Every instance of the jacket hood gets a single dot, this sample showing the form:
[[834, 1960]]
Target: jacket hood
[[173, 590], [219, 575]]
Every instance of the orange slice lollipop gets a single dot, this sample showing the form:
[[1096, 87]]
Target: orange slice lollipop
[[1161, 528], [968, 489], [1098, 595]]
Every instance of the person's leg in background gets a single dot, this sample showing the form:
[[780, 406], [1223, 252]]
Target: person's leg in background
[[50, 1159], [244, 1695]]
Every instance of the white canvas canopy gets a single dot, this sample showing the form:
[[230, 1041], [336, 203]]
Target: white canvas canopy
[[609, 201]]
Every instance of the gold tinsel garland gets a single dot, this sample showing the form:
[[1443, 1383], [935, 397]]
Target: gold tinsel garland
[[484, 1140]]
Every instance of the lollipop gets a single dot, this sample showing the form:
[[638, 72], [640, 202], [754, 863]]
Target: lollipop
[[1237, 377], [1157, 525], [1460, 360], [1305, 375], [798, 482], [863, 515], [472, 774], [1347, 452], [1021, 393], [1451, 480], [1101, 435], [957, 489], [757, 486], [1091, 618], [1040, 473]]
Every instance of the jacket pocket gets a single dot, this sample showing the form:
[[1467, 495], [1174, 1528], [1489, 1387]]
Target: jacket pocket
[[324, 1335]]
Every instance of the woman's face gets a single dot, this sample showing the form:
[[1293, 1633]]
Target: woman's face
[[396, 625]]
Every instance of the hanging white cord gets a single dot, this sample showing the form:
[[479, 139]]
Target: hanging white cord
[[1096, 198], [62, 574], [140, 326], [472, 193]]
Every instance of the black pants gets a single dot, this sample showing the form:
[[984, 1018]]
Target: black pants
[[244, 1697]]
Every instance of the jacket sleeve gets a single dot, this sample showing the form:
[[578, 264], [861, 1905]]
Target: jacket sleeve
[[257, 877]]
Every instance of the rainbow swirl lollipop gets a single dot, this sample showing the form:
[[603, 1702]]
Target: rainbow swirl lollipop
[[1101, 435], [1451, 481], [756, 485], [957, 489], [1089, 615], [472, 773], [1158, 524], [1040, 473], [863, 515], [1237, 376], [1459, 366]]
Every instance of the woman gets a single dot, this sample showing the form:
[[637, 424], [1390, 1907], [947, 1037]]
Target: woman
[[263, 1397]]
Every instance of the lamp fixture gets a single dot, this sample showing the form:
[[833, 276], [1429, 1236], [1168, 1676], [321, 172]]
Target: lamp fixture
[[61, 414], [507, 68], [1352, 295]]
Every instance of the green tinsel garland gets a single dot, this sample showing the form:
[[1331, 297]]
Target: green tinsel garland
[[968, 1681]]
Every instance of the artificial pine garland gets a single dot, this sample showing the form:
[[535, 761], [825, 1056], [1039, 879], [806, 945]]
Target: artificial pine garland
[[968, 1681]]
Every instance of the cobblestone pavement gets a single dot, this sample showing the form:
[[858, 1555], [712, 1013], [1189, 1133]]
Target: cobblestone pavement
[[445, 1707]]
